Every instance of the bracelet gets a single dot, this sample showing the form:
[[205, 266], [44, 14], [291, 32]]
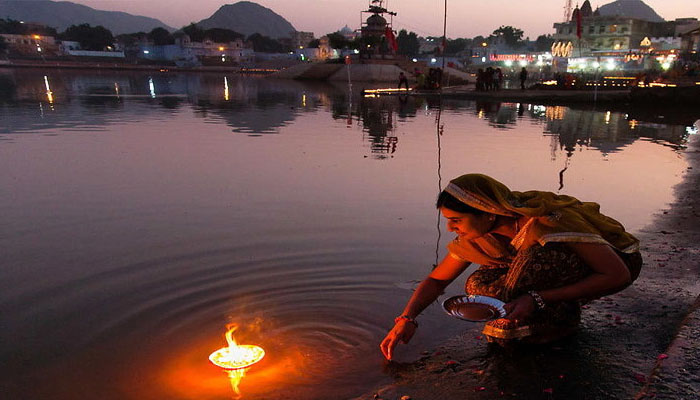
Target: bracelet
[[539, 303], [405, 318]]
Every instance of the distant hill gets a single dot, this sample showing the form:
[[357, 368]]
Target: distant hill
[[247, 17], [62, 14], [631, 8]]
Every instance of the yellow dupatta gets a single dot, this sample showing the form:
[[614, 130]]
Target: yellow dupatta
[[549, 218]]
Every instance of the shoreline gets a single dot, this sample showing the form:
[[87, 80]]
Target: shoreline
[[636, 344]]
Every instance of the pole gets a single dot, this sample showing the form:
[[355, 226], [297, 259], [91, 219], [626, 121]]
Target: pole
[[444, 44]]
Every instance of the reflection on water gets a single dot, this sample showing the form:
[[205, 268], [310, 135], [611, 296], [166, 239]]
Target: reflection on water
[[142, 212]]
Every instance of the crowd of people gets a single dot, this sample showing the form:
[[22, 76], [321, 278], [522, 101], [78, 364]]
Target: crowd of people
[[489, 79]]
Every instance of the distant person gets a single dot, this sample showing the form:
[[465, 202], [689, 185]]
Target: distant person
[[498, 77], [420, 79], [542, 253], [523, 78], [480, 80], [488, 81], [403, 80]]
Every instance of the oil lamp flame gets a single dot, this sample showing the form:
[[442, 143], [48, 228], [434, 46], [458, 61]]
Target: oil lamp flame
[[235, 358]]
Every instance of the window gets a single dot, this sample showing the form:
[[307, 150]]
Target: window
[[591, 29], [601, 29], [624, 29], [613, 28]]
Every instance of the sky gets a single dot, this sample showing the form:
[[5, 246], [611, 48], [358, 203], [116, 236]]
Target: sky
[[465, 18]]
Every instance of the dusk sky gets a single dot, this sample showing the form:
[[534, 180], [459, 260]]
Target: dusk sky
[[466, 18]]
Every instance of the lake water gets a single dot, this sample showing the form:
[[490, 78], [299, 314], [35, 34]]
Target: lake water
[[142, 213]]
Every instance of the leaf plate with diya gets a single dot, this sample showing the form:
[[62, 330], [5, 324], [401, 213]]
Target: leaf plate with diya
[[474, 308]]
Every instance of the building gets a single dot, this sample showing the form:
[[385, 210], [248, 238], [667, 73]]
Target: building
[[299, 40], [31, 45], [188, 53], [348, 33], [690, 40], [608, 33]]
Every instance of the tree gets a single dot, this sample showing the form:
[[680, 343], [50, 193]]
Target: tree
[[221, 35], [265, 44], [130, 39], [511, 36], [454, 46], [160, 37], [337, 41], [90, 38], [195, 33], [408, 43], [544, 43], [314, 44]]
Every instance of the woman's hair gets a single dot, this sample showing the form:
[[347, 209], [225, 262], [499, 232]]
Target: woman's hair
[[450, 202]]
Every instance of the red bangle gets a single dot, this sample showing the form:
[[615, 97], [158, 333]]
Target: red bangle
[[405, 318]]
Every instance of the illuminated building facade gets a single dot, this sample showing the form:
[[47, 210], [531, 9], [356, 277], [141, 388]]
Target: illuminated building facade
[[613, 33], [31, 45]]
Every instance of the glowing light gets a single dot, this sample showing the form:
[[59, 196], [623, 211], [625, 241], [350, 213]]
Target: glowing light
[[433, 60], [483, 59], [414, 60], [226, 89], [607, 117], [36, 37], [151, 87], [522, 63], [146, 52], [550, 83], [484, 44], [303, 100], [236, 359], [221, 48], [596, 64], [633, 124], [116, 88], [508, 63], [666, 65]]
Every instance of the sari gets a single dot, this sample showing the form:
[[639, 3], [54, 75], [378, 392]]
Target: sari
[[537, 257]]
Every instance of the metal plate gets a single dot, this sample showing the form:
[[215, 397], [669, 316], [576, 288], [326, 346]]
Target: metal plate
[[474, 308]]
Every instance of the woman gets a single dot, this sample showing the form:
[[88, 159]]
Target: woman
[[541, 253]]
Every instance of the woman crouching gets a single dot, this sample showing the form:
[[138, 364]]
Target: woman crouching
[[543, 254]]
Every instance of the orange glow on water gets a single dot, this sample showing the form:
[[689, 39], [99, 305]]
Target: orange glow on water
[[236, 359]]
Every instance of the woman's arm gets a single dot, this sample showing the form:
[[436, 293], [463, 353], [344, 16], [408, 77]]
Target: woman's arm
[[609, 275], [428, 290]]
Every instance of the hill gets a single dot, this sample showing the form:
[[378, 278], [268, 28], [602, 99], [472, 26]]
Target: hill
[[247, 17], [62, 14], [631, 8]]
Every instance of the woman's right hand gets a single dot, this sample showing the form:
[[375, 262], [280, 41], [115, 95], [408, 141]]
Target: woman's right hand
[[403, 330]]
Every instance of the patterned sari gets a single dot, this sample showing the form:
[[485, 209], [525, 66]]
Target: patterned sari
[[537, 258]]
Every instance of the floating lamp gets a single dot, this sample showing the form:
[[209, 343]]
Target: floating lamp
[[236, 359]]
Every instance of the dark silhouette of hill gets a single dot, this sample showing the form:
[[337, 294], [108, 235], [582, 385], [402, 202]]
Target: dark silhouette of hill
[[247, 17], [631, 8], [62, 14]]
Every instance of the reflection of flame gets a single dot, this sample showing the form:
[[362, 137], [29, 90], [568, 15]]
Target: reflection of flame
[[226, 89], [236, 359], [49, 93]]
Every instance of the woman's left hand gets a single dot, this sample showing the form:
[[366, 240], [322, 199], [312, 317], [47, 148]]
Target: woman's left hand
[[520, 308]]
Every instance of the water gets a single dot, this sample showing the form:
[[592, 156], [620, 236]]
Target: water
[[141, 213]]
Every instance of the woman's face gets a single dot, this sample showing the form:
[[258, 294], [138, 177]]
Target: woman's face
[[468, 226]]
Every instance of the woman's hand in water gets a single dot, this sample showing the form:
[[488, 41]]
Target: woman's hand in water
[[403, 331], [520, 308]]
